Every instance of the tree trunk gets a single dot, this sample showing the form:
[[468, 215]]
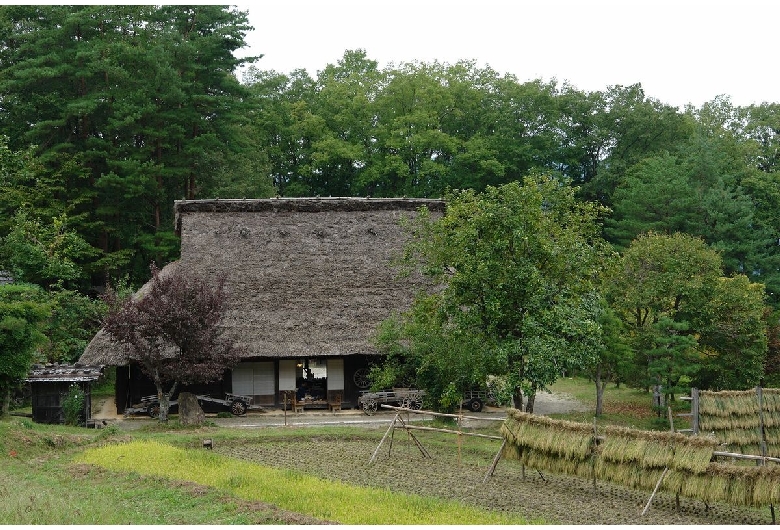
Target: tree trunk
[[6, 407], [599, 392], [517, 398], [529, 407], [165, 401], [165, 404]]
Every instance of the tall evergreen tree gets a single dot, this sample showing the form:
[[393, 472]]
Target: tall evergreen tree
[[126, 106]]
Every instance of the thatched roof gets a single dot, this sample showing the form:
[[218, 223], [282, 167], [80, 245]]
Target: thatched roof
[[305, 277]]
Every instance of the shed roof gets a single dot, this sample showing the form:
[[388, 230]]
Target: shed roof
[[64, 373], [305, 277]]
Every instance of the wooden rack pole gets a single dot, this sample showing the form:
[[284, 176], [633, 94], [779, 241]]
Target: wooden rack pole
[[658, 484], [739, 456], [440, 414], [450, 431], [494, 463], [373, 457]]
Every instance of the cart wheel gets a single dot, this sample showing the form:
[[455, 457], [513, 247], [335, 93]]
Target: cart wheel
[[238, 408], [360, 378], [416, 404], [475, 405], [406, 403], [369, 407], [153, 410]]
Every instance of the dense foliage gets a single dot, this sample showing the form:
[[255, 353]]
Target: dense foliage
[[110, 113], [128, 108], [518, 267], [23, 311]]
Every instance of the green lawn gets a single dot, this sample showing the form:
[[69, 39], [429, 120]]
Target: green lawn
[[623, 406]]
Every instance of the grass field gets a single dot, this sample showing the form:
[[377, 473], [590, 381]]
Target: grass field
[[623, 406]]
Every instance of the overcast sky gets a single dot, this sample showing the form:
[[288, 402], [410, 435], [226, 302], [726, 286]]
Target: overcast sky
[[683, 51]]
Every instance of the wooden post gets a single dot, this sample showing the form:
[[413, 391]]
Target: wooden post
[[493, 465], [671, 419], [654, 491], [593, 454], [695, 410], [460, 431], [373, 457], [414, 438]]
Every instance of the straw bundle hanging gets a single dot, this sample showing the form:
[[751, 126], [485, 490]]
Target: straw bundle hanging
[[766, 485], [563, 438], [694, 455], [657, 455], [771, 402], [547, 462], [611, 472], [636, 459]]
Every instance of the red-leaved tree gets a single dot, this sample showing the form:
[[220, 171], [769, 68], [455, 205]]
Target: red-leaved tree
[[172, 330]]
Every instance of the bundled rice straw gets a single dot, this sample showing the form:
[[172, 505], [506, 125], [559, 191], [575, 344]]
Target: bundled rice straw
[[693, 456], [673, 481], [637, 459]]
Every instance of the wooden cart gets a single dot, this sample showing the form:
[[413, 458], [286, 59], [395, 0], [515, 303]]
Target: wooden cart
[[402, 397], [237, 404]]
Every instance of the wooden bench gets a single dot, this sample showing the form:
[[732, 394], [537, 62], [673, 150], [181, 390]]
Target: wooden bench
[[334, 402]]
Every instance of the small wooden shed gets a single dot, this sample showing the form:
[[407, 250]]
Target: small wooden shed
[[50, 384]]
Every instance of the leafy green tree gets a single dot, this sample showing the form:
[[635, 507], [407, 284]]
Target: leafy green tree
[[685, 320], [518, 267], [45, 253], [612, 363], [607, 132], [23, 312], [425, 351], [72, 323], [733, 335]]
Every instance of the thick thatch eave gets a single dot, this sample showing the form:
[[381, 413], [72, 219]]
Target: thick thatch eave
[[303, 204]]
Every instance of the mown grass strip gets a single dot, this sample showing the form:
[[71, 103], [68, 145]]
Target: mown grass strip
[[290, 490]]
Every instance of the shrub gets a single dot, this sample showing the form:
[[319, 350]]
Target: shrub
[[73, 405]]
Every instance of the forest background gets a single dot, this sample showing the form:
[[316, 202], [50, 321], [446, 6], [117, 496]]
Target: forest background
[[110, 113]]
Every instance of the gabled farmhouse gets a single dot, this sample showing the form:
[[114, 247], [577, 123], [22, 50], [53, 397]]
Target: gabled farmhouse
[[308, 282]]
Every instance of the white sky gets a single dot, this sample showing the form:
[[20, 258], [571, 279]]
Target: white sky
[[683, 51]]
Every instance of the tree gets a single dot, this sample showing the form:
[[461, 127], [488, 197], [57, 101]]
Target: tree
[[172, 330], [45, 252], [613, 359], [686, 321], [129, 108], [733, 335], [518, 269], [23, 311]]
